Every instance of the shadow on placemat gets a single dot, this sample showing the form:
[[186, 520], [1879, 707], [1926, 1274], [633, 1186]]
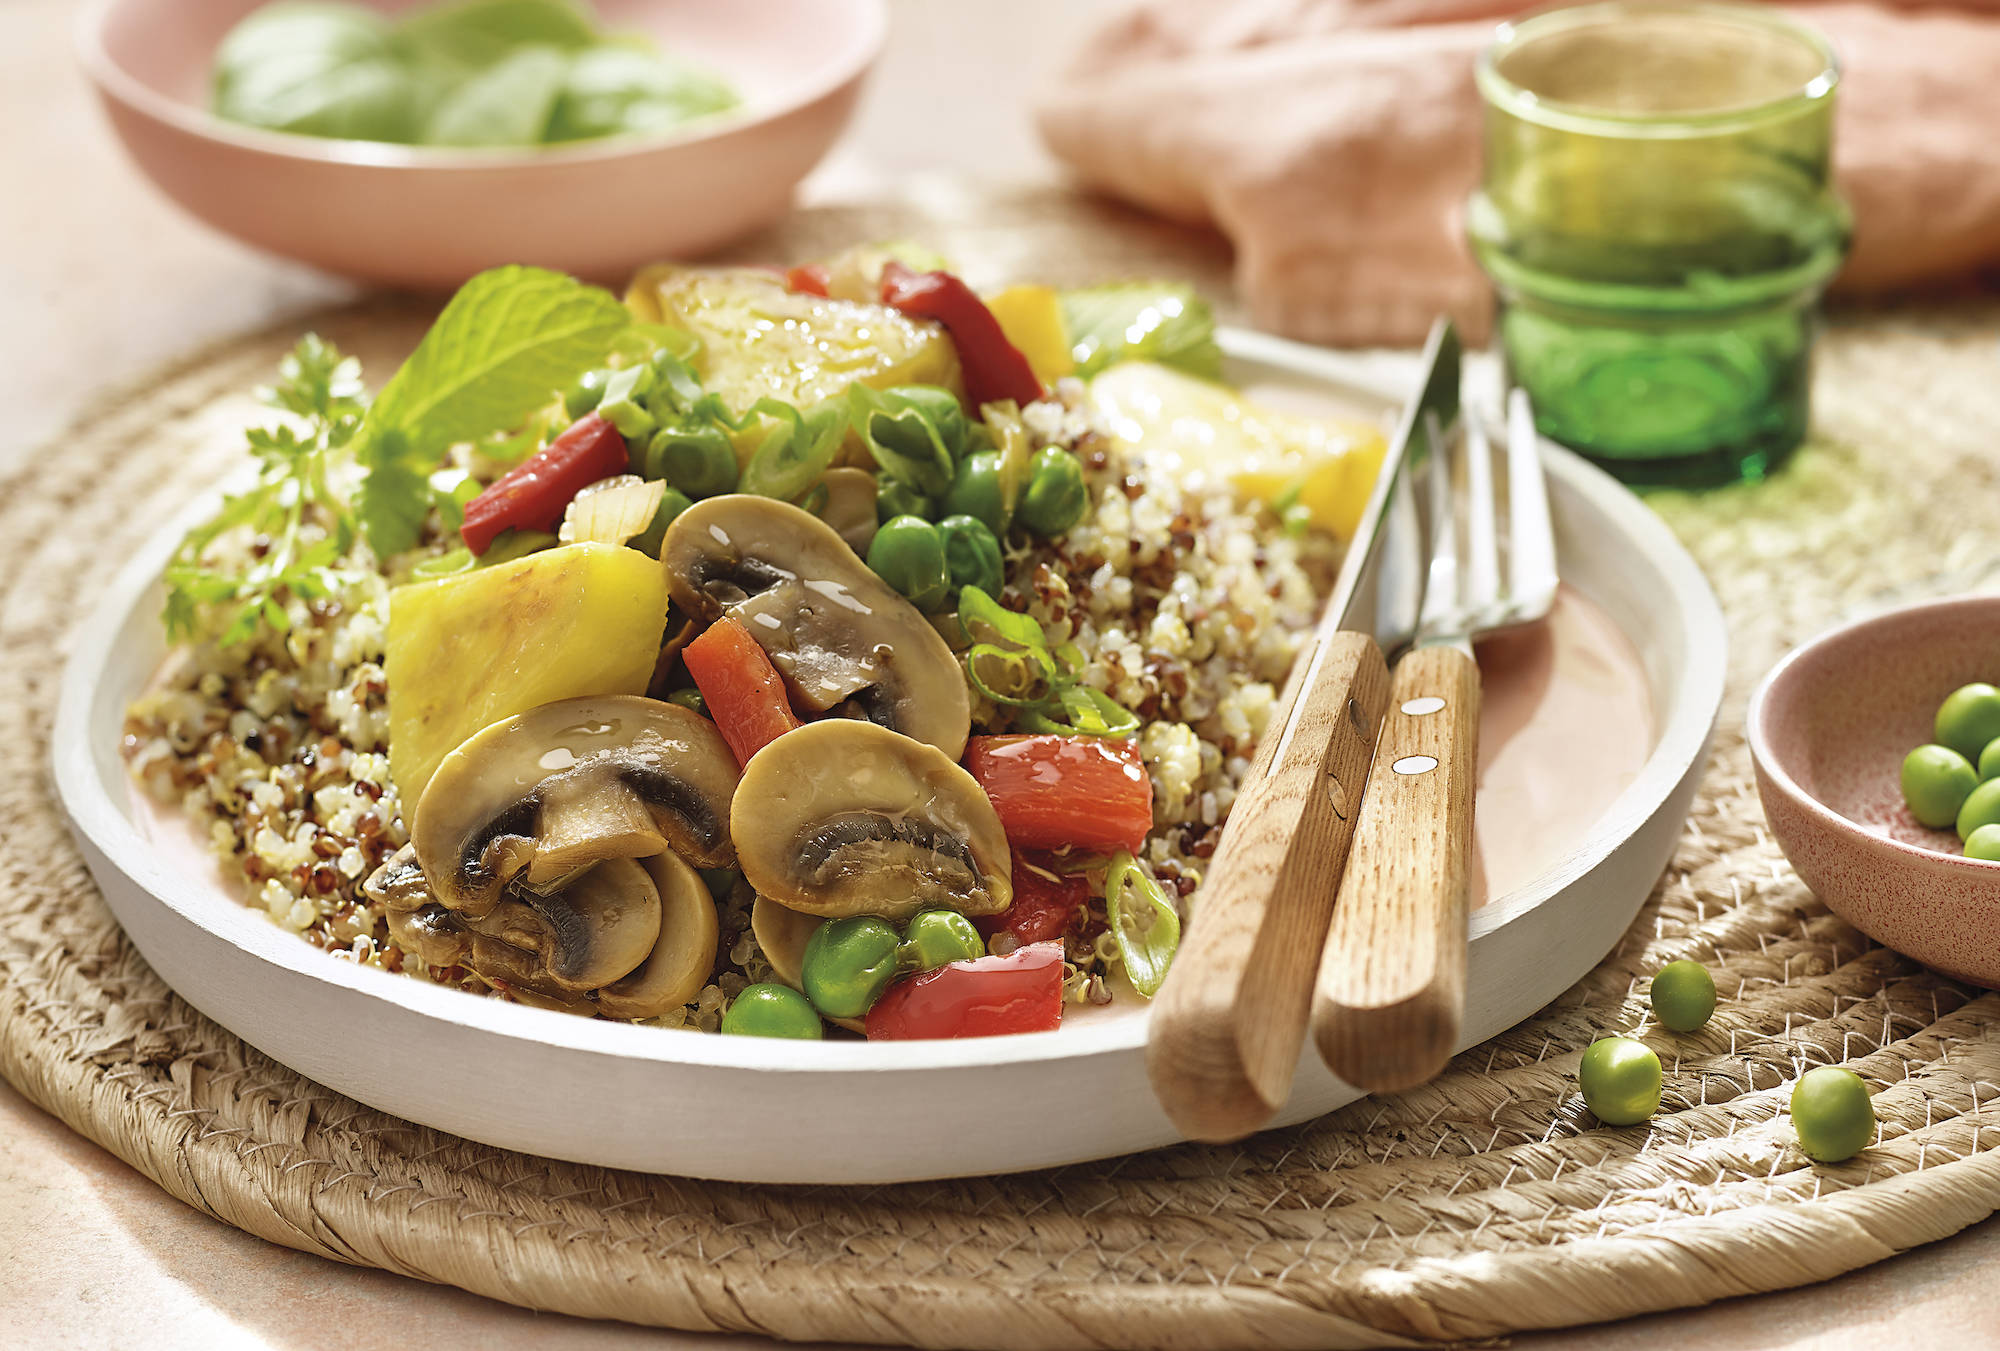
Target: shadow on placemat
[[1484, 1203]]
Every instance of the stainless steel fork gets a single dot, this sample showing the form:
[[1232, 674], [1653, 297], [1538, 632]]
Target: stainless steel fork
[[1391, 991]]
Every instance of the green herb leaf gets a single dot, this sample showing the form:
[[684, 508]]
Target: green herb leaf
[[1145, 922], [1142, 321], [505, 344], [457, 40], [620, 89], [318, 70], [295, 509], [508, 103]]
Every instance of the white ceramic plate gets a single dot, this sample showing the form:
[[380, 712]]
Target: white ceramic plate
[[759, 1110]]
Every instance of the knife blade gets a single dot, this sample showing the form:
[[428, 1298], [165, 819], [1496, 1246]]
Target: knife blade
[[1227, 1029]]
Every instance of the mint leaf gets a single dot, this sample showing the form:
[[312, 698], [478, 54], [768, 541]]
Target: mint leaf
[[508, 103], [318, 70], [1141, 321], [505, 344], [464, 38]]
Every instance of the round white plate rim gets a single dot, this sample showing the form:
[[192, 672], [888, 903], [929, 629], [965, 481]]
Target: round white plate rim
[[84, 773]]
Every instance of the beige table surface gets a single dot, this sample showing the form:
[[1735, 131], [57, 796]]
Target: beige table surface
[[101, 280]]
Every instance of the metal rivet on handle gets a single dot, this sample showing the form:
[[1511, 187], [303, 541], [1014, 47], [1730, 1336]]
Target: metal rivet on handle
[[1415, 764], [1416, 708]]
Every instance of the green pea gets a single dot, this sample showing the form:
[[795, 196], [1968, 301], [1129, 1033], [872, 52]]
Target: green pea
[[1989, 761], [1055, 500], [938, 938], [1984, 843], [690, 699], [584, 396], [975, 491], [894, 498], [1621, 1080], [699, 461], [848, 963], [1982, 808], [1683, 995], [1969, 718], [1936, 782], [908, 554], [1832, 1113], [719, 881], [772, 1011], [971, 554]]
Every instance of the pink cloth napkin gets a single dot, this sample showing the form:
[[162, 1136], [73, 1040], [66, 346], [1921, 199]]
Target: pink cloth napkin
[[1335, 141]]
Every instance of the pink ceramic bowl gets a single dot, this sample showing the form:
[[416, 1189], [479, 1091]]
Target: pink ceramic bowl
[[430, 218], [1828, 730]]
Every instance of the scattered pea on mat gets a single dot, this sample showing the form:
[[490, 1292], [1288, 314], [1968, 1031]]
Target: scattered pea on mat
[[1620, 1078], [1683, 995], [1832, 1113]]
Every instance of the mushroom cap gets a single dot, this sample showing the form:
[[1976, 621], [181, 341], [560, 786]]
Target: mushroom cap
[[543, 795], [599, 928], [683, 956], [847, 818], [835, 631], [850, 507]]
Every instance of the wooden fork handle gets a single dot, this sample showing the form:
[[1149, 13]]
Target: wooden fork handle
[[1391, 992], [1227, 1029]]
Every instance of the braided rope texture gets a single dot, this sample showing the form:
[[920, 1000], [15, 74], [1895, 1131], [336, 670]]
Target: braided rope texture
[[1486, 1202]]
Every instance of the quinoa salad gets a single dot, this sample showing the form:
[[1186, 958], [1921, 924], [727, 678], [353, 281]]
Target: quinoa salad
[[819, 653]]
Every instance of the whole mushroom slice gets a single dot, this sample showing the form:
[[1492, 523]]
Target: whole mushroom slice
[[539, 797], [847, 818], [837, 633], [600, 928], [682, 958]]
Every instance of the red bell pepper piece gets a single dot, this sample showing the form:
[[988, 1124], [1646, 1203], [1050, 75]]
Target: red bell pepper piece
[[1047, 904], [744, 692], [812, 279], [534, 493], [994, 368], [986, 997], [1052, 792]]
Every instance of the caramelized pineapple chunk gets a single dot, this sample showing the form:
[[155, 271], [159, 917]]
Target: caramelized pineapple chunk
[[468, 650]]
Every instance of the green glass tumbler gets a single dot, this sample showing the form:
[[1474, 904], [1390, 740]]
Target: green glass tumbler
[[1657, 219]]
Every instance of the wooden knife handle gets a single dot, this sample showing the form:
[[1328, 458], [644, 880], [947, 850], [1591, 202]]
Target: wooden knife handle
[[1227, 1028], [1391, 993]]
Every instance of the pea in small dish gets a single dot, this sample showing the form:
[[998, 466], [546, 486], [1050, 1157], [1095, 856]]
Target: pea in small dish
[[429, 216], [1830, 729]]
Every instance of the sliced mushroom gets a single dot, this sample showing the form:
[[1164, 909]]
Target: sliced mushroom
[[684, 955], [583, 938], [850, 507], [847, 818], [835, 630], [782, 933], [543, 795]]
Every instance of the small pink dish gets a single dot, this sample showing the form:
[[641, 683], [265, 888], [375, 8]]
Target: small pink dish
[[429, 218], [1828, 730]]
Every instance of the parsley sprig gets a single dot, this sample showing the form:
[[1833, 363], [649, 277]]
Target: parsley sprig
[[299, 519]]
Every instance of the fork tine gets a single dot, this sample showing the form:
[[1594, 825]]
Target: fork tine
[[1443, 605], [1531, 541], [1482, 575]]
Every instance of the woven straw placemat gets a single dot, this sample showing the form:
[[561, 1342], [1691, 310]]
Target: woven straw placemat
[[1484, 1203]]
